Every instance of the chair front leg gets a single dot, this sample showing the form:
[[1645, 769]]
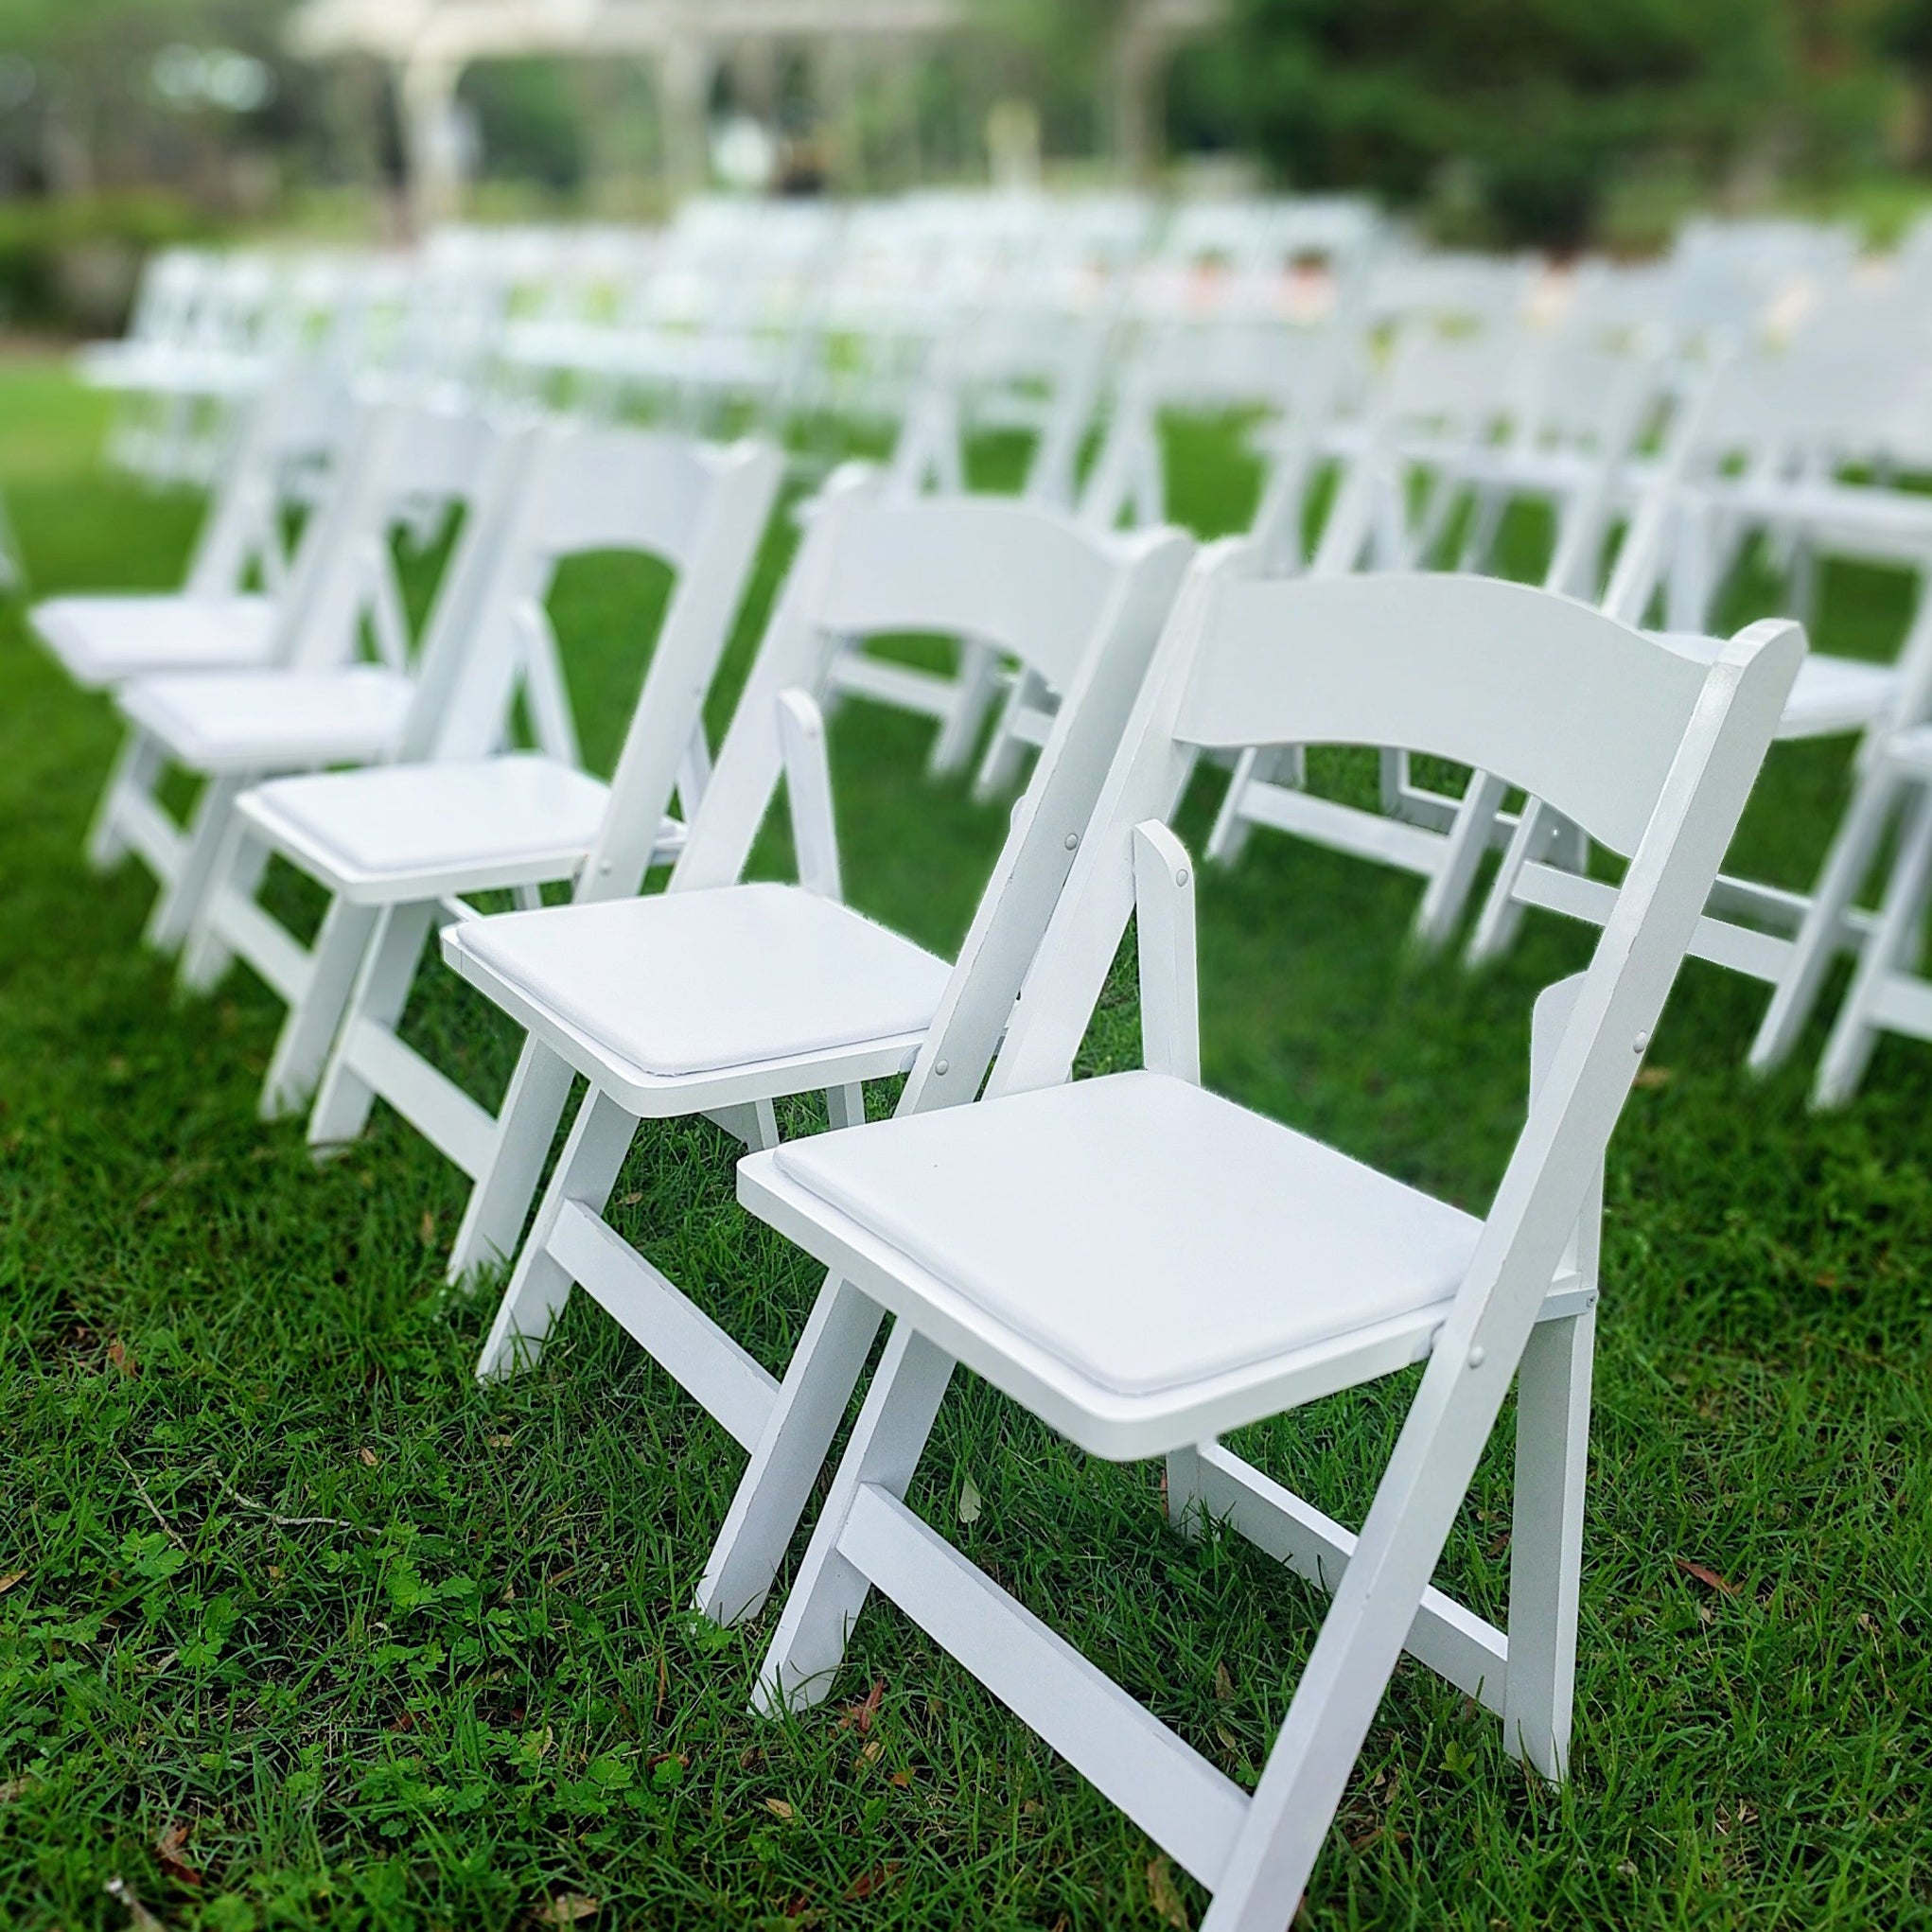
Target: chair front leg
[[538, 1287], [138, 769], [973, 697], [1546, 1539], [365, 963], [526, 1125], [180, 902], [237, 869], [772, 1497], [898, 1416]]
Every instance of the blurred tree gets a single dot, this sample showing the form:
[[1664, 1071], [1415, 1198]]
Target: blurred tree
[[1542, 100], [124, 92], [529, 121]]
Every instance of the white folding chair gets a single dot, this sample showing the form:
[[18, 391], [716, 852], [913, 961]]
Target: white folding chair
[[1483, 424], [1889, 992], [399, 845], [1020, 367], [319, 707], [1691, 515], [721, 995], [241, 601], [1166, 1266]]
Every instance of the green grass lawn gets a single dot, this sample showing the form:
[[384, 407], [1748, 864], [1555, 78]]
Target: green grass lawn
[[301, 1627]]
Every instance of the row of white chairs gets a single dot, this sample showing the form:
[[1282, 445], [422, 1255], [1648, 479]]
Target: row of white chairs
[[1673, 418], [1166, 1266]]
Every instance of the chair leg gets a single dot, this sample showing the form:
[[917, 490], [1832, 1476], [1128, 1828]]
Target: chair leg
[[1000, 769], [772, 1497], [1449, 891], [137, 768], [1184, 1496], [239, 869], [1361, 1639], [312, 1021], [372, 965], [1274, 764], [1501, 916], [978, 688], [526, 1125], [1855, 1032], [1546, 1539], [538, 1288], [180, 902], [1819, 937], [898, 1416]]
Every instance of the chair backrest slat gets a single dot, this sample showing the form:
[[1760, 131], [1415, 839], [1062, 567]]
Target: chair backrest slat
[[1546, 694], [1030, 582]]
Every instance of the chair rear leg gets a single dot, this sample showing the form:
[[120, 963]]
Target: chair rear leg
[[1819, 937], [1272, 765], [386, 946], [1454, 879], [1855, 1032], [526, 1125], [538, 1287], [1546, 1539]]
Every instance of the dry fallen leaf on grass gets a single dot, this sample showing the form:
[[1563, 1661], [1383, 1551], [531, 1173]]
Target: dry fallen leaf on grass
[[167, 1849], [779, 1809], [367, 1456], [859, 1716], [568, 1908], [968, 1500], [122, 1358], [867, 1882], [12, 1577], [1163, 1897], [1703, 1573]]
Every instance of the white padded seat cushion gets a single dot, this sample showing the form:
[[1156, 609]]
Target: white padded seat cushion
[[698, 982], [416, 818], [1139, 1229], [261, 720], [110, 639], [1832, 694]]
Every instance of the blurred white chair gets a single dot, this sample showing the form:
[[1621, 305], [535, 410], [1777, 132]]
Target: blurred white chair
[[1166, 1266], [398, 844], [242, 599], [1465, 425], [320, 706]]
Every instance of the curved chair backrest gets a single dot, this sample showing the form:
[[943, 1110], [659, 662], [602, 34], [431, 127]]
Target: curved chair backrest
[[696, 507], [1652, 751], [1030, 582], [404, 459]]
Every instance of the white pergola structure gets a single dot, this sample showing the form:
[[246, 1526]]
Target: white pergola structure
[[428, 44]]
